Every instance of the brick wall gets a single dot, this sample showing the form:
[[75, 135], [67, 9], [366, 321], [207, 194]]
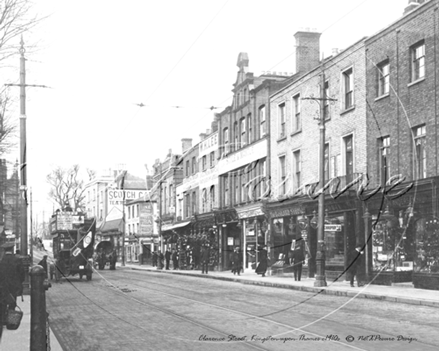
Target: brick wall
[[340, 124], [408, 104]]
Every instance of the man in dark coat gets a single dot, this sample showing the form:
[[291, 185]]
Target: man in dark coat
[[11, 280], [113, 259], [236, 260], [262, 265], [167, 259], [154, 259], [354, 261], [298, 260], [174, 257], [204, 257], [159, 260]]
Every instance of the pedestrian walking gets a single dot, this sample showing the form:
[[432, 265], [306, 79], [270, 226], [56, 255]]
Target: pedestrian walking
[[113, 259], [167, 259], [154, 259], [236, 261], [11, 280], [262, 265], [175, 259], [205, 258], [43, 263], [52, 270], [298, 261], [354, 261], [159, 260]]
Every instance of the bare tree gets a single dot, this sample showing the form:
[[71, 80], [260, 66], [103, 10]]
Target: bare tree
[[67, 189], [16, 18], [7, 128]]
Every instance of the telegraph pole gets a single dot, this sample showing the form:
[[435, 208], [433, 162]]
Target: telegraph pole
[[320, 253], [23, 167]]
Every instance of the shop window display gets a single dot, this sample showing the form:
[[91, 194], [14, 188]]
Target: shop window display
[[334, 241], [426, 257], [392, 246]]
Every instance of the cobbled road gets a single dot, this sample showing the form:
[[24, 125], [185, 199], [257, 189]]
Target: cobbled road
[[139, 310]]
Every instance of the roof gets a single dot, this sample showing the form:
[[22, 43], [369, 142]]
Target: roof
[[111, 226]]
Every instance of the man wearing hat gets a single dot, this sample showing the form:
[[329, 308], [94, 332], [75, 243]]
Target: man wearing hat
[[11, 279], [354, 261]]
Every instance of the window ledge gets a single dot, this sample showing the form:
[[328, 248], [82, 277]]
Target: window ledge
[[296, 132], [347, 110], [382, 97], [281, 138], [416, 82]]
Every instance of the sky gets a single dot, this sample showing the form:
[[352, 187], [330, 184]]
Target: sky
[[102, 58]]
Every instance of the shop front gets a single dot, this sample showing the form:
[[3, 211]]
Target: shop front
[[295, 221], [229, 233], [149, 244], [253, 223], [289, 226], [404, 235]]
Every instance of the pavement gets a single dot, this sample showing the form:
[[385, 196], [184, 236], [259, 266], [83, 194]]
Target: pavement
[[18, 340], [400, 292]]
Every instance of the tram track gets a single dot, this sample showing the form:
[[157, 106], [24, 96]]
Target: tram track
[[291, 328], [149, 290], [133, 288]]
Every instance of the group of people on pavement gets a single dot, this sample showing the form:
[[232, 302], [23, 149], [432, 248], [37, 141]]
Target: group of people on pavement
[[11, 281], [297, 259], [161, 260]]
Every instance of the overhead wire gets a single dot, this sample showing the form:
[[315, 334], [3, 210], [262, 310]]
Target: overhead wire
[[178, 62]]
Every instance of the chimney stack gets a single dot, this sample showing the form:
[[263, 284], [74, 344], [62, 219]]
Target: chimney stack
[[306, 50], [202, 136], [412, 4], [186, 144]]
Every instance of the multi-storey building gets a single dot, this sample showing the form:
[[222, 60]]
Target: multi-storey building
[[141, 228], [167, 175], [106, 197], [402, 147], [243, 167], [96, 195], [197, 199], [295, 154]]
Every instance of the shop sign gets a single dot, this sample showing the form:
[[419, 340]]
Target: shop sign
[[333, 227], [250, 213], [230, 241], [116, 199], [286, 212], [243, 157]]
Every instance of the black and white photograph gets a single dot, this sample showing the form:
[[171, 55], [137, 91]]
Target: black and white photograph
[[219, 175]]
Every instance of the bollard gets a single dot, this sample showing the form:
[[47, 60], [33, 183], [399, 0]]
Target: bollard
[[38, 308]]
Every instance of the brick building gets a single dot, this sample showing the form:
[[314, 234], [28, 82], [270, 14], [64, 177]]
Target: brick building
[[295, 157], [244, 133], [402, 123]]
